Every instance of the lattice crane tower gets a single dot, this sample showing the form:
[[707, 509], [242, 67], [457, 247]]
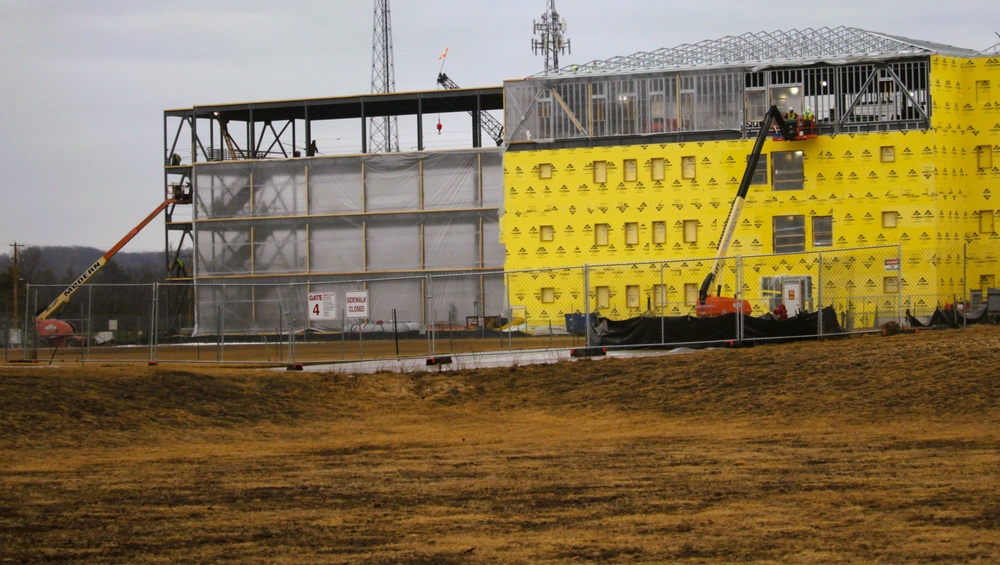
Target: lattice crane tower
[[384, 136], [551, 40]]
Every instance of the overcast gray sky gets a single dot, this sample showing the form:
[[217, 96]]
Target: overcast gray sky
[[85, 82]]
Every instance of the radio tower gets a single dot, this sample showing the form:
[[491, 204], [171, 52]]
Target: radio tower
[[384, 135], [551, 41]]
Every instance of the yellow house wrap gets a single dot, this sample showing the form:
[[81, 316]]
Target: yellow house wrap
[[929, 191]]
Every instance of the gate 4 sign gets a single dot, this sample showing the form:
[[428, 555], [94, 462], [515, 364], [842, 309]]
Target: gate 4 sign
[[357, 304], [322, 306]]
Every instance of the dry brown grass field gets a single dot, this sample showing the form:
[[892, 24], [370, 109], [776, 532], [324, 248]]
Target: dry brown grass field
[[858, 450]]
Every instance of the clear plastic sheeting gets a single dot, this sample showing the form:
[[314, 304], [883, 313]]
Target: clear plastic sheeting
[[271, 306], [334, 219], [392, 182], [337, 245], [335, 186], [393, 244], [223, 249], [223, 190]]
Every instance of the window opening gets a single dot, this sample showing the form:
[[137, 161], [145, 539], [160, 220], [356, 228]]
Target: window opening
[[787, 171], [659, 232], [632, 233], [822, 228], [789, 234], [601, 234], [690, 231]]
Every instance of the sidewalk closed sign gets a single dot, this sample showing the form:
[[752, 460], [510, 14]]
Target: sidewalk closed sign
[[323, 306], [357, 304]]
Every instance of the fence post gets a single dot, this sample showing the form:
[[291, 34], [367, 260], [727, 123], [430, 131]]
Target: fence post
[[152, 327], [89, 332], [899, 284], [662, 297], [965, 284], [586, 303], [819, 295], [739, 298]]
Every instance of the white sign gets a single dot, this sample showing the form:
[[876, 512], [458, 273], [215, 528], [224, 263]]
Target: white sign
[[357, 304], [322, 306], [892, 264]]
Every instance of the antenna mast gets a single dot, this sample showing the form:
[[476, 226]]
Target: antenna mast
[[551, 41], [384, 136]]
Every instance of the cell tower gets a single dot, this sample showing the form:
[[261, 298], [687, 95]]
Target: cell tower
[[551, 40], [384, 136]]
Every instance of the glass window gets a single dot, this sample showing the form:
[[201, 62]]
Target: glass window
[[545, 170], [548, 295], [546, 233], [986, 221], [760, 173], [631, 172], [789, 234], [787, 172], [690, 231], [659, 232], [603, 297], [600, 171], [601, 234], [657, 170], [822, 227], [687, 167], [632, 233], [889, 219]]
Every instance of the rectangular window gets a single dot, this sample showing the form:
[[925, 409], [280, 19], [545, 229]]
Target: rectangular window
[[548, 295], [659, 232], [890, 285], [787, 171], [888, 153], [600, 171], [601, 234], [659, 295], [984, 157], [690, 231], [789, 234], [632, 296], [986, 221], [632, 233], [760, 173], [889, 219], [657, 170], [546, 233], [545, 170], [690, 294], [631, 171], [822, 231], [603, 297], [687, 167]]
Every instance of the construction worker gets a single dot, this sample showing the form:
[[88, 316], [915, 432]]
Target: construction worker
[[808, 115], [791, 116]]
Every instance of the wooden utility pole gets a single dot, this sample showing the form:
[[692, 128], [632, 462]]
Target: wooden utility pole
[[16, 278]]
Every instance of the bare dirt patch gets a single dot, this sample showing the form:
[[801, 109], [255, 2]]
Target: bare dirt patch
[[874, 449]]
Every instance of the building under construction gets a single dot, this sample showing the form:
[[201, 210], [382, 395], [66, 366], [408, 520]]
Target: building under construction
[[632, 159]]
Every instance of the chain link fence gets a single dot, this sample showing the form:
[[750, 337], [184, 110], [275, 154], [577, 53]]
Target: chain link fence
[[651, 304]]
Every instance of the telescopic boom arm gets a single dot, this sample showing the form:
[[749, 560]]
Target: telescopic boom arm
[[773, 116], [64, 297]]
